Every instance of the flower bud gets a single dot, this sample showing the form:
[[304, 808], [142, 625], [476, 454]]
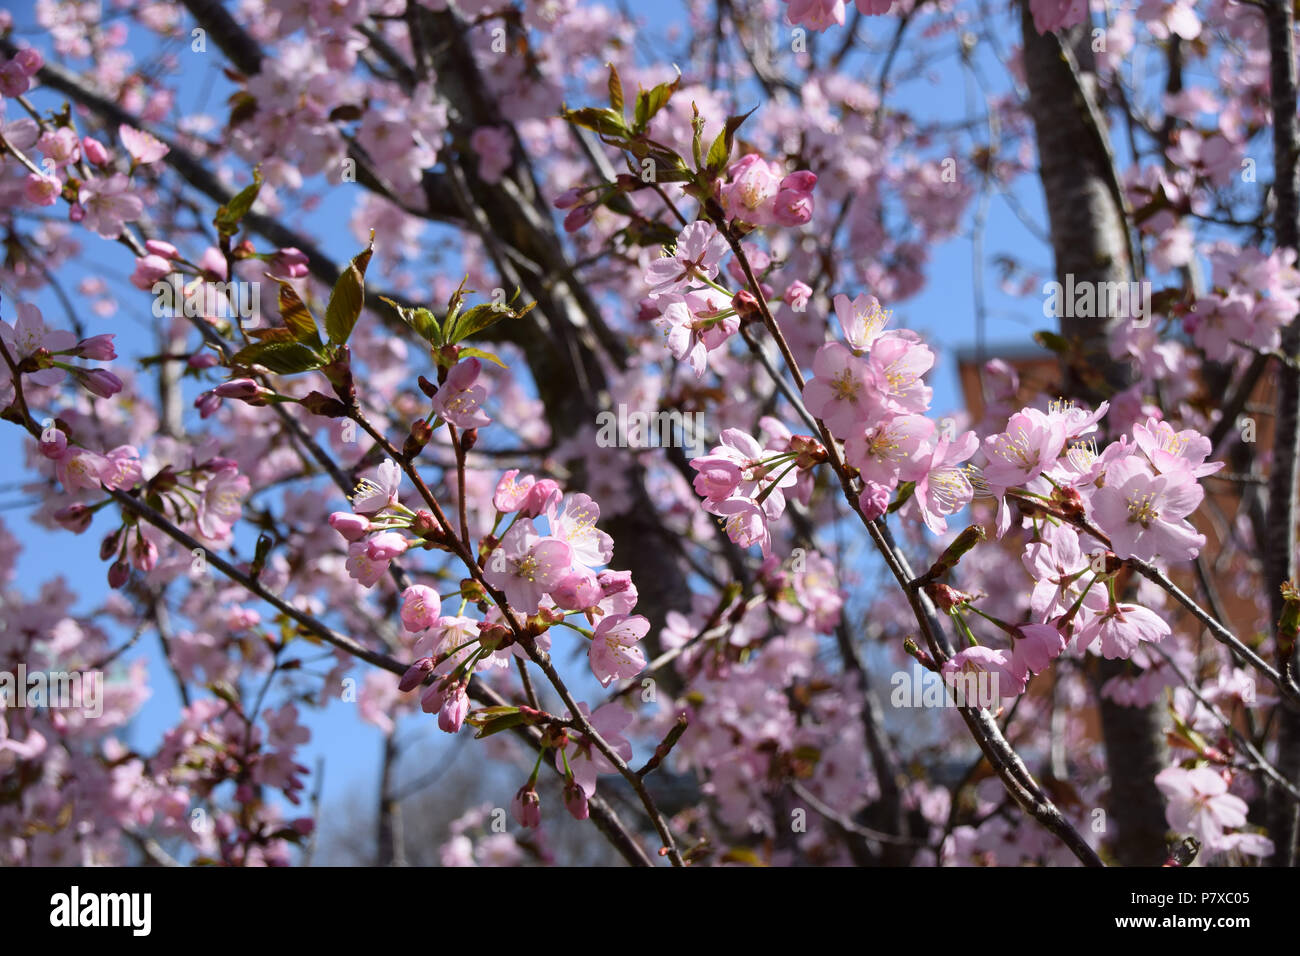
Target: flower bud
[[118, 574], [416, 674], [353, 527], [98, 348], [75, 518], [746, 307], [159, 247], [575, 800], [100, 382], [526, 807], [94, 151]]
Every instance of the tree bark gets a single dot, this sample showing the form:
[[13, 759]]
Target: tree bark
[[1280, 544]]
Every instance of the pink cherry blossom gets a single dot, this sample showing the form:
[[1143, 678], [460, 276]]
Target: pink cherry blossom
[[525, 566], [613, 654], [861, 319], [1144, 514], [460, 398], [145, 148], [697, 254], [109, 204], [843, 392], [944, 489]]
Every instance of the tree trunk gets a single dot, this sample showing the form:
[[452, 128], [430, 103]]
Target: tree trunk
[[1280, 545]]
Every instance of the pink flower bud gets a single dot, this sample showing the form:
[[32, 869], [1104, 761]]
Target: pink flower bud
[[648, 310], [29, 60], [242, 388], [144, 554], [416, 674], [290, 262], [53, 443], [118, 574], [526, 807], [578, 217], [75, 518], [575, 800], [159, 247], [98, 348], [207, 403], [352, 527], [94, 150], [150, 269], [454, 709], [432, 700], [569, 198], [202, 360], [793, 207], [100, 382], [14, 80]]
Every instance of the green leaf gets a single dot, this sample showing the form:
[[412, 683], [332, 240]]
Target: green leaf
[[283, 358], [1050, 340], [424, 322], [348, 297], [484, 316], [697, 130], [602, 120], [297, 318], [720, 151], [650, 102], [480, 353], [615, 90], [904, 492], [497, 724], [277, 334], [232, 213]]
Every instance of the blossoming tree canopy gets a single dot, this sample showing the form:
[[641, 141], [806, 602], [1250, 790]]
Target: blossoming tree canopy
[[313, 317]]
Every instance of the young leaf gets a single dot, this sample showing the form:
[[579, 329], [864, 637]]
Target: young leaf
[[424, 322], [650, 102], [297, 318], [494, 725], [481, 317], [348, 296], [615, 90], [232, 213], [603, 121], [283, 358], [480, 353], [720, 151]]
